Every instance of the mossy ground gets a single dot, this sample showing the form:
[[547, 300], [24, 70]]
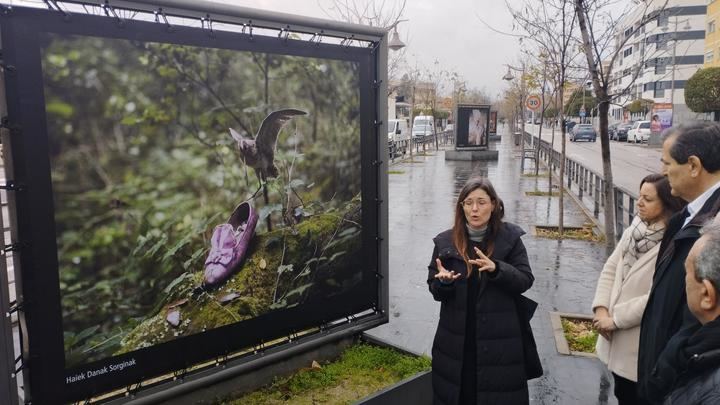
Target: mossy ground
[[538, 193], [361, 370], [580, 335], [254, 284], [584, 233], [396, 172]]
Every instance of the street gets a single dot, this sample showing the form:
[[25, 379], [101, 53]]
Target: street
[[630, 162]]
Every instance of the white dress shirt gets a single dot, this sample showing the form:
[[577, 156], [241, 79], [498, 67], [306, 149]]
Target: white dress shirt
[[697, 204]]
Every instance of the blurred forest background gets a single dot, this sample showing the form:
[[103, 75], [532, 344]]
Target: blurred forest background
[[143, 166]]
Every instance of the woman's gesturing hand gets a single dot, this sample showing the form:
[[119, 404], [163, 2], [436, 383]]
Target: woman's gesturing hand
[[444, 275], [605, 325], [483, 262]]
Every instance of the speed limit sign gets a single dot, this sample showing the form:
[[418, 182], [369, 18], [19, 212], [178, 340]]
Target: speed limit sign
[[533, 102]]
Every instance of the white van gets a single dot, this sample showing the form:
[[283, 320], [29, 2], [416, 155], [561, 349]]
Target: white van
[[423, 125], [398, 130]]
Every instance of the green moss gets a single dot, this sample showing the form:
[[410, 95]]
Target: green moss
[[361, 370], [580, 335], [395, 172], [538, 193], [584, 233]]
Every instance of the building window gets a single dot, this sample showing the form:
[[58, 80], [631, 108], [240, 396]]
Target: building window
[[627, 52], [709, 57], [661, 44], [660, 68], [659, 93], [711, 26], [662, 20], [628, 32]]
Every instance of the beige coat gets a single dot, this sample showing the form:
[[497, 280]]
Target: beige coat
[[625, 297]]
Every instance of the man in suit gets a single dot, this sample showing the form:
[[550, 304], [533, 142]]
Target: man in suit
[[698, 357], [691, 162]]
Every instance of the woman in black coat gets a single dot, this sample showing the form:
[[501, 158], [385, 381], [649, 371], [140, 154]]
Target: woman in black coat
[[478, 270]]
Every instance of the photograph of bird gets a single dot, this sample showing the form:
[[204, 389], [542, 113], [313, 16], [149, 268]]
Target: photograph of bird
[[259, 153]]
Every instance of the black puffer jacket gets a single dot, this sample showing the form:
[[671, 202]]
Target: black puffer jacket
[[699, 361], [500, 377]]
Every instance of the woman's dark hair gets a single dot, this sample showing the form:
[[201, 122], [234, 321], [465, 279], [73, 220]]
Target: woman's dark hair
[[670, 203], [459, 232]]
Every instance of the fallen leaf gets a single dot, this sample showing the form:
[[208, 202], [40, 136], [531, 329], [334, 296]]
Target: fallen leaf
[[228, 297], [173, 317], [178, 303], [263, 264], [316, 365]]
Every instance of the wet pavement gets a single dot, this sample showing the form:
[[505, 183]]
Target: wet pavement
[[422, 195]]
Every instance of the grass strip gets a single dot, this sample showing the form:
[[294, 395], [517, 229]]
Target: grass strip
[[360, 371]]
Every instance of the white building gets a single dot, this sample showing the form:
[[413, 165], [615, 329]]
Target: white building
[[646, 68]]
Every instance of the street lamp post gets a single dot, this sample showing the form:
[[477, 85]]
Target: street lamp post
[[687, 27], [508, 76]]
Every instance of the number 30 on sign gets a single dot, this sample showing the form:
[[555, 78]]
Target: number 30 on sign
[[533, 102]]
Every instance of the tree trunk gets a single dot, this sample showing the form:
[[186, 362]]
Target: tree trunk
[[603, 107], [608, 188]]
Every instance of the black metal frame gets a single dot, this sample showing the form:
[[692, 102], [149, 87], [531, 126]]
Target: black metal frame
[[462, 112], [38, 284]]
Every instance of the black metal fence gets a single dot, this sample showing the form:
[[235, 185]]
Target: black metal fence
[[588, 186], [419, 143]]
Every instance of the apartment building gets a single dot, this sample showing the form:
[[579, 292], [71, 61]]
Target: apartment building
[[712, 35], [659, 57]]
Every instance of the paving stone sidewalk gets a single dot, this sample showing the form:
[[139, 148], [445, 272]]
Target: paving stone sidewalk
[[421, 196]]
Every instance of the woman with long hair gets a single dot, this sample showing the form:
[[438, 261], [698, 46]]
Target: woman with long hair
[[624, 285], [478, 271]]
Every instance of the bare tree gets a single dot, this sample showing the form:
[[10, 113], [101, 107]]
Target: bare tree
[[603, 42], [376, 13], [549, 25]]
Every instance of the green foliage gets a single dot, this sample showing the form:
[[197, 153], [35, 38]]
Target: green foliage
[[361, 370], [702, 91], [550, 112], [580, 335], [642, 106], [572, 108], [143, 166]]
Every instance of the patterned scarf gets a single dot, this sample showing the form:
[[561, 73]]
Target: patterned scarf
[[643, 237]]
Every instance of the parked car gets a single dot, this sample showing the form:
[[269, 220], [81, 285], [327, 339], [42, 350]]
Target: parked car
[[398, 130], [621, 132], [583, 131], [640, 132], [423, 126], [612, 131], [569, 125]]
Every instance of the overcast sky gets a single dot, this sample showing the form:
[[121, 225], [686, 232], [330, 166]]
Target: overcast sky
[[449, 31]]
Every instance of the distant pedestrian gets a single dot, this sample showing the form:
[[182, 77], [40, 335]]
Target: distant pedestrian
[[691, 162], [483, 351], [624, 284], [698, 357]]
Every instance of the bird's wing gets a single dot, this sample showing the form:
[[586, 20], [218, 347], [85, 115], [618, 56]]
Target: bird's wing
[[236, 136], [270, 128]]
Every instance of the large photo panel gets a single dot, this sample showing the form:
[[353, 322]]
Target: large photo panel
[[197, 187], [473, 126]]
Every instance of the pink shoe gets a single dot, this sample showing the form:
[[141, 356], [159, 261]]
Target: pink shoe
[[229, 243]]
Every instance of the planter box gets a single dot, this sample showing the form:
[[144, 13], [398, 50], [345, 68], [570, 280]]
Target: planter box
[[413, 390], [560, 342]]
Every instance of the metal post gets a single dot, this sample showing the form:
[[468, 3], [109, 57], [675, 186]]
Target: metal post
[[672, 77]]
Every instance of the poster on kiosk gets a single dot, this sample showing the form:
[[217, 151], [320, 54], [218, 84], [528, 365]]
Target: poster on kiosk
[[189, 192], [473, 126]]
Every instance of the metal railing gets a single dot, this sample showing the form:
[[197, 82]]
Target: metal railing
[[588, 186], [420, 143]]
